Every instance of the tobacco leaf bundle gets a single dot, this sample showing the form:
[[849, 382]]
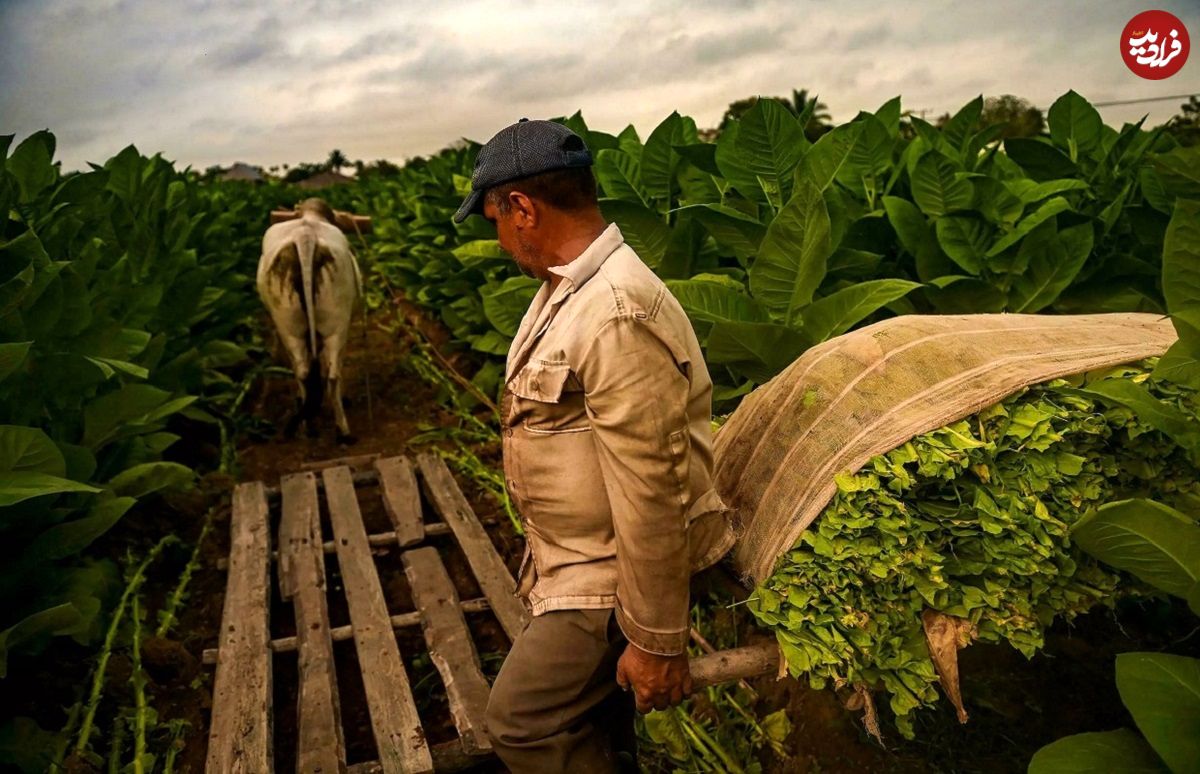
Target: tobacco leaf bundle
[[972, 520]]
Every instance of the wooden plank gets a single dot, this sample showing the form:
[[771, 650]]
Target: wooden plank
[[239, 738], [320, 746], [340, 633], [399, 737], [365, 476], [493, 577], [378, 540], [354, 461], [401, 499], [447, 757], [450, 645]]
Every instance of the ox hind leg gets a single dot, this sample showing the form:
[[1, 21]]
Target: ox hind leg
[[331, 367], [302, 369]]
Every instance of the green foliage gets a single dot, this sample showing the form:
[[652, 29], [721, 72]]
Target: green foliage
[[1160, 546], [968, 216], [974, 520], [120, 288]]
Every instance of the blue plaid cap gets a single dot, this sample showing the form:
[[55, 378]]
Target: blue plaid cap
[[523, 149]]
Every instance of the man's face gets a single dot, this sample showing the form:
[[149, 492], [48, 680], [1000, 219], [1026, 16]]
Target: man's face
[[514, 240]]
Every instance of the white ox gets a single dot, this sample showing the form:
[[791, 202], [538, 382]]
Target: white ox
[[310, 282]]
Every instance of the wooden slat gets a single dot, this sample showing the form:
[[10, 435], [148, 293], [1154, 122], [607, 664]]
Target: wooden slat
[[447, 757], [450, 645], [354, 461], [340, 633], [493, 577], [378, 540], [320, 747], [401, 499], [399, 737], [239, 737]]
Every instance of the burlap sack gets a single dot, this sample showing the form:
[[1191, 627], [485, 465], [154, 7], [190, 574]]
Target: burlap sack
[[867, 392]]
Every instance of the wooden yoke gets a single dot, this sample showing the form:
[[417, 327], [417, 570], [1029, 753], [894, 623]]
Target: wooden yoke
[[346, 221]]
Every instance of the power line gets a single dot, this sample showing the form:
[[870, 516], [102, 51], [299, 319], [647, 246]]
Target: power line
[[1144, 99]]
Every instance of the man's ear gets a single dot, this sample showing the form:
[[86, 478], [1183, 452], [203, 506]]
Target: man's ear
[[524, 211]]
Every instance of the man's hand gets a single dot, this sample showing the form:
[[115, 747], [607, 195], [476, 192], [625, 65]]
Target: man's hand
[[658, 682]]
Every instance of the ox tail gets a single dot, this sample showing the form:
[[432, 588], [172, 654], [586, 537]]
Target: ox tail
[[306, 248]]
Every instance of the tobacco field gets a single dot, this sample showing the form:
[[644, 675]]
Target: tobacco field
[[133, 352]]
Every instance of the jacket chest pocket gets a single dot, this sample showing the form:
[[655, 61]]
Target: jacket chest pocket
[[548, 398]]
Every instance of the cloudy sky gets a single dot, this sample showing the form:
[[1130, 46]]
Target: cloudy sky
[[273, 81]]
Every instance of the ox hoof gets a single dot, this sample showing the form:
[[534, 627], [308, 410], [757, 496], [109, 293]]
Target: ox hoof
[[346, 439]]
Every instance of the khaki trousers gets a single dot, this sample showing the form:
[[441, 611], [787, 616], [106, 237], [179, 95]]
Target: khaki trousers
[[556, 706]]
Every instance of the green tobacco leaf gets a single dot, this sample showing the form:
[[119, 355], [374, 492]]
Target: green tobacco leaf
[[936, 188], [1051, 269], [889, 115], [729, 161], [629, 141], [1049, 209], [141, 480], [918, 238], [20, 485], [643, 229], [1075, 125], [70, 538], [133, 404], [838, 312], [702, 155], [1121, 751], [1154, 542], [714, 301], [620, 176], [769, 144], [659, 159], [1179, 172], [46, 622], [108, 366], [1160, 415], [792, 258], [479, 252], [730, 228], [823, 161], [960, 125], [1162, 692], [760, 349], [26, 745], [12, 356], [32, 165], [965, 239], [505, 304], [1040, 160], [1181, 272], [1180, 364], [29, 449], [1031, 192]]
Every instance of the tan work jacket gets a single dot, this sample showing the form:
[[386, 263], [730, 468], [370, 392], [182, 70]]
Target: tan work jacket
[[608, 447]]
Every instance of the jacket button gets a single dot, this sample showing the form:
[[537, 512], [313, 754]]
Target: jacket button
[[534, 384], [508, 431]]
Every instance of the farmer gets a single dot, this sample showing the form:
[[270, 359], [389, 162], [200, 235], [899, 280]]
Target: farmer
[[608, 457]]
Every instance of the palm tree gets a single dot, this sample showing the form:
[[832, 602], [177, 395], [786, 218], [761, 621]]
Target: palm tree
[[336, 160]]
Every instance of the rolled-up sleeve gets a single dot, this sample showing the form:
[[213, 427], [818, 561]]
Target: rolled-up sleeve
[[636, 394]]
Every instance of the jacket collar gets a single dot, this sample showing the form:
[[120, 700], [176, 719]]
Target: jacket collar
[[544, 306]]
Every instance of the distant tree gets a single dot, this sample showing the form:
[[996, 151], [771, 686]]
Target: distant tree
[[303, 171], [818, 122], [379, 168], [336, 160], [1019, 116], [1185, 127], [211, 172]]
